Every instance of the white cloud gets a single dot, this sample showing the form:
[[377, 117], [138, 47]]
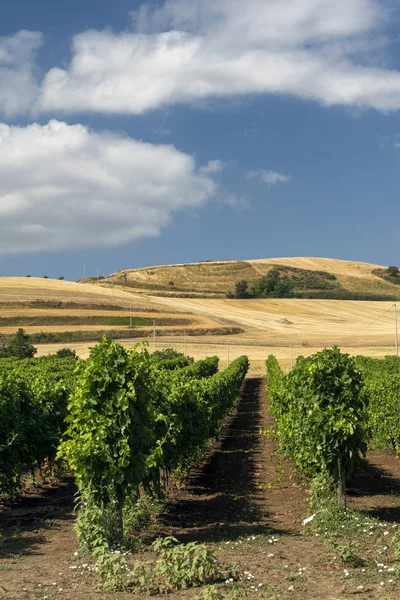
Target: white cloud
[[213, 167], [324, 50], [18, 73], [64, 186], [270, 177], [236, 202]]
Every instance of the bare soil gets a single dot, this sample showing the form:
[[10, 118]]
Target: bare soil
[[241, 500]]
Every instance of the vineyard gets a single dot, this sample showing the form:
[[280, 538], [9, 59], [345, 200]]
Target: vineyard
[[139, 433]]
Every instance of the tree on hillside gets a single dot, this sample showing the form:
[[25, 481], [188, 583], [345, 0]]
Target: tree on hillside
[[18, 346], [242, 290], [393, 271], [272, 285]]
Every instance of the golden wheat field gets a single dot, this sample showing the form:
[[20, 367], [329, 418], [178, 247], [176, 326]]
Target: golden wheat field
[[284, 327]]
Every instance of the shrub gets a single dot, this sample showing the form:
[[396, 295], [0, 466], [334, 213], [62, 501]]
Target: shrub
[[18, 346], [66, 353]]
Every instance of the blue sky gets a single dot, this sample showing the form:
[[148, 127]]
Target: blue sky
[[137, 134]]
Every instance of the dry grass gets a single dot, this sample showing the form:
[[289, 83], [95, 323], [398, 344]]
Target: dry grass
[[331, 265], [315, 324], [28, 289], [217, 278], [311, 322], [269, 326]]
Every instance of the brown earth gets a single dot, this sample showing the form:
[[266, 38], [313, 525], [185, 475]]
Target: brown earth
[[235, 501]]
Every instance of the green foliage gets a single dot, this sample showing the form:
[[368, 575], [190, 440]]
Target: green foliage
[[319, 409], [112, 569], [241, 289], [272, 285], [177, 567], [393, 271], [210, 592], [67, 319], [286, 282], [33, 402], [292, 282], [18, 346], [203, 368], [171, 359], [130, 419], [181, 566], [109, 433], [382, 385], [66, 353]]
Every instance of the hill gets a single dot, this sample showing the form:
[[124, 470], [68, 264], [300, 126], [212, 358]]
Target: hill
[[310, 278], [66, 314]]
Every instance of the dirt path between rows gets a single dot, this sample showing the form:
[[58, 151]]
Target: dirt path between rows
[[241, 500]]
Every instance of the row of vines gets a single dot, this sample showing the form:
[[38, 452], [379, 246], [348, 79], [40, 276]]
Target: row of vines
[[121, 420], [33, 405], [330, 406], [130, 421]]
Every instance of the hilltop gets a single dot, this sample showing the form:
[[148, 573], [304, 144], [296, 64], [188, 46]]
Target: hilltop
[[325, 278]]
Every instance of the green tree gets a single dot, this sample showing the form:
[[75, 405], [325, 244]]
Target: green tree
[[393, 271], [283, 288], [19, 346], [242, 290]]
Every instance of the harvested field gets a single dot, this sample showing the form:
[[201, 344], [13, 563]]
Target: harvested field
[[267, 326]]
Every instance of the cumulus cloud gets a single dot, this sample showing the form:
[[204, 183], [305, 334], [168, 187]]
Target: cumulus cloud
[[18, 72], [65, 186], [270, 177], [325, 50]]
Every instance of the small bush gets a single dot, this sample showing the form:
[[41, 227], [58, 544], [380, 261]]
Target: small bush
[[66, 353], [178, 567]]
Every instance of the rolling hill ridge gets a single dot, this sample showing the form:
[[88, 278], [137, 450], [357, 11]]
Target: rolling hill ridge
[[323, 278]]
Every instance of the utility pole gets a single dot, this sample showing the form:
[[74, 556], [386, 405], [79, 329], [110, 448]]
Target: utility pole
[[395, 330], [154, 333], [291, 356]]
